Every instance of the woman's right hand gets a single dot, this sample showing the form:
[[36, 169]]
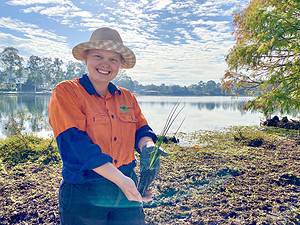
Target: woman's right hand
[[129, 189], [125, 183]]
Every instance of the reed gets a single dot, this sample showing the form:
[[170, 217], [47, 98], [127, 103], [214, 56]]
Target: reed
[[148, 175]]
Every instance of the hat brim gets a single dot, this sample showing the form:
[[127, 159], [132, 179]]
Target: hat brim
[[129, 58]]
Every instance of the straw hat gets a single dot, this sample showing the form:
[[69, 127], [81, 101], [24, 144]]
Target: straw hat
[[106, 39]]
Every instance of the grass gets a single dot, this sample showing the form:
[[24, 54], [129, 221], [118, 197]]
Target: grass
[[27, 148]]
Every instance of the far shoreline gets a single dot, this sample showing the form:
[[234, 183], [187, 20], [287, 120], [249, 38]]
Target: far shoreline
[[25, 92]]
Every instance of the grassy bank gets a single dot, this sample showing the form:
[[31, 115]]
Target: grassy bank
[[243, 176]]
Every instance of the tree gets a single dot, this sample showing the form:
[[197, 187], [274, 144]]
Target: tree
[[266, 55], [125, 81], [74, 69], [58, 74], [212, 88], [163, 89], [35, 71], [197, 89], [11, 66], [47, 73]]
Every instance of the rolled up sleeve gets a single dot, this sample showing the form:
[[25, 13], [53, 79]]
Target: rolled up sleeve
[[78, 151]]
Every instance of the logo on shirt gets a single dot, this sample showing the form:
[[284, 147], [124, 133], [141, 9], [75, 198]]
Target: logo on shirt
[[124, 108]]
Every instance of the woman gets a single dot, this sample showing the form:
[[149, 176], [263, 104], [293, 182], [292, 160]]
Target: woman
[[97, 126]]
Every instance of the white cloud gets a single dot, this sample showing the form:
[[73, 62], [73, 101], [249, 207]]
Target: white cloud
[[56, 11], [34, 41], [32, 2], [180, 64], [34, 9], [205, 34], [31, 45], [94, 23], [183, 5], [219, 7], [175, 42], [64, 10], [83, 14], [17, 25], [186, 35], [222, 26], [160, 4]]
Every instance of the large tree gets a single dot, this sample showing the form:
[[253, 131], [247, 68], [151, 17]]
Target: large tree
[[58, 74], [11, 66], [35, 72], [47, 73], [266, 55]]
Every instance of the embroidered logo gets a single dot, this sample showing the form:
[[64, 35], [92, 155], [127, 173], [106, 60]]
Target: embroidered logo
[[124, 108]]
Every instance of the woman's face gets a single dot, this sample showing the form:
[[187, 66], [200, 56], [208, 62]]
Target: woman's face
[[102, 65]]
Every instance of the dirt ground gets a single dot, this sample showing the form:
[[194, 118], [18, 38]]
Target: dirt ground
[[222, 183]]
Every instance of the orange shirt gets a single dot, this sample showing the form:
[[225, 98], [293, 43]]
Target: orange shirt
[[111, 122]]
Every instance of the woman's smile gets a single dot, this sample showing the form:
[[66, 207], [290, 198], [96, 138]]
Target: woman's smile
[[101, 71]]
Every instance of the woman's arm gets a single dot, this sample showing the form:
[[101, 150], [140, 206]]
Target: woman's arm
[[127, 185]]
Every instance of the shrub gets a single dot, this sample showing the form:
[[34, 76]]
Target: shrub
[[27, 148]]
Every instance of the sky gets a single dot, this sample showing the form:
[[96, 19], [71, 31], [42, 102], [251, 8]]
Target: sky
[[175, 41]]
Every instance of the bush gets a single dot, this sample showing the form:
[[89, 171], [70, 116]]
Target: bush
[[28, 148]]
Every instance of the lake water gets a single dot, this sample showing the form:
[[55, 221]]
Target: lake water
[[202, 113]]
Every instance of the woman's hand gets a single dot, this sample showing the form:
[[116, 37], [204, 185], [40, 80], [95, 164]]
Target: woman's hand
[[125, 183], [148, 196], [129, 189]]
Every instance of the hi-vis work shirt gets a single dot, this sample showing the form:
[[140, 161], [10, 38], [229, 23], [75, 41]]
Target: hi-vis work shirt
[[92, 130]]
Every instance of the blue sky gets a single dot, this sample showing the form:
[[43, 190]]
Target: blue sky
[[175, 41]]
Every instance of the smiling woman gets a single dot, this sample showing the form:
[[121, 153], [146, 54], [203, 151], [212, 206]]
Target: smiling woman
[[97, 126], [103, 66]]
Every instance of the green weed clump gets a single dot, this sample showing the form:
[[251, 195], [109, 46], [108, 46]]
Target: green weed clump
[[236, 140], [28, 148]]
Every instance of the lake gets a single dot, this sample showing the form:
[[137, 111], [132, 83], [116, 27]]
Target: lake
[[202, 113]]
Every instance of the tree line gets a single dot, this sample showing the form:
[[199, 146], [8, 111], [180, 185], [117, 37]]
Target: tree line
[[36, 74], [43, 73], [209, 88]]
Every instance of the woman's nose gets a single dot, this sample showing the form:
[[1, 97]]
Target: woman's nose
[[104, 64]]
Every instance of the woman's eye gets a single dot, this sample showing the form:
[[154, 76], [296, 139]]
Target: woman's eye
[[114, 60], [98, 56]]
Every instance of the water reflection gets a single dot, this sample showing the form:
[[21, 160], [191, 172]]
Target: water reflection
[[208, 103], [31, 109], [203, 112]]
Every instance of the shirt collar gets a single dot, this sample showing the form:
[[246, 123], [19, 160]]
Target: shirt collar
[[88, 86]]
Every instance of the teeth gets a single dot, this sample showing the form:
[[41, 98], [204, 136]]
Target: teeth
[[102, 71]]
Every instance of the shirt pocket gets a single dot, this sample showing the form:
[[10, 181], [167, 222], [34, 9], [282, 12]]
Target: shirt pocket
[[127, 117], [127, 128], [98, 127], [98, 118]]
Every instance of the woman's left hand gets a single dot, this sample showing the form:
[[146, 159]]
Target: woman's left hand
[[148, 196]]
